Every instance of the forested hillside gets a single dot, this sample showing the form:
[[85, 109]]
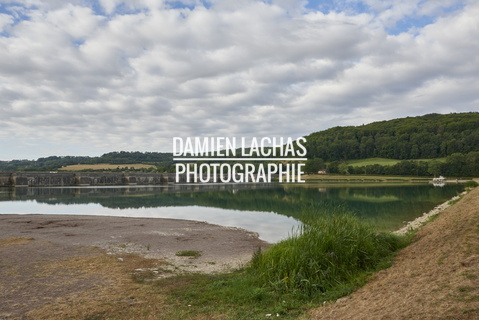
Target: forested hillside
[[452, 137], [56, 162], [424, 137]]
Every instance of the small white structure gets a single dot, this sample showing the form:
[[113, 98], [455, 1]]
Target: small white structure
[[439, 181]]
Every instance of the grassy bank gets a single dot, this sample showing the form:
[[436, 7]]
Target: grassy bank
[[327, 259]]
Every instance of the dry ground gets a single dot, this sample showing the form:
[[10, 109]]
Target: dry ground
[[84, 267], [436, 277]]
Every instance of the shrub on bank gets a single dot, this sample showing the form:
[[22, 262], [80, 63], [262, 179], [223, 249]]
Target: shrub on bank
[[470, 184]]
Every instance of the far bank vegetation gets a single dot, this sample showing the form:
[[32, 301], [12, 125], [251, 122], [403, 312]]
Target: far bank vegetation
[[429, 145], [106, 166]]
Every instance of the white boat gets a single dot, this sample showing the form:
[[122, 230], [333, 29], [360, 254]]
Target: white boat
[[439, 181]]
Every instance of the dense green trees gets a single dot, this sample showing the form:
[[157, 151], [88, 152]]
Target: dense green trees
[[425, 137], [56, 162], [312, 166], [453, 136]]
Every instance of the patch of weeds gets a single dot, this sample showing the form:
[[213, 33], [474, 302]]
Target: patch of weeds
[[466, 289], [470, 311], [432, 218], [467, 294], [189, 253], [453, 202], [471, 184], [163, 270], [233, 296], [441, 259], [469, 275], [95, 316], [144, 275], [472, 298]]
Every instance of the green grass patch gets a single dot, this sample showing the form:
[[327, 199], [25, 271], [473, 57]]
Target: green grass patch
[[236, 295], [372, 161], [469, 275], [329, 256], [384, 161], [332, 255], [470, 184], [189, 253]]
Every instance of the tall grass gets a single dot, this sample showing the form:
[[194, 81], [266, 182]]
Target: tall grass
[[327, 258], [330, 254]]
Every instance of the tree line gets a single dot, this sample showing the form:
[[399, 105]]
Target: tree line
[[455, 165], [424, 137], [56, 162]]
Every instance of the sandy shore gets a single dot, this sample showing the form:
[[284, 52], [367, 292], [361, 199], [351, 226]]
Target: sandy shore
[[222, 248]]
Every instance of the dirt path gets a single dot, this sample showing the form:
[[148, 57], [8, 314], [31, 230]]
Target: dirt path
[[437, 277], [44, 258]]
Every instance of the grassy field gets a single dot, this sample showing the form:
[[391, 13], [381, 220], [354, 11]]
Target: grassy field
[[361, 178], [105, 166], [383, 161]]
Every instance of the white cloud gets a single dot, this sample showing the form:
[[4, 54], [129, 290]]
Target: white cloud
[[72, 79], [5, 20]]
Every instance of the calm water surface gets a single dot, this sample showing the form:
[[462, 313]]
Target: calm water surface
[[269, 209]]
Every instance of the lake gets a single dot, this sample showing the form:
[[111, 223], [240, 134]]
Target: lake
[[271, 210]]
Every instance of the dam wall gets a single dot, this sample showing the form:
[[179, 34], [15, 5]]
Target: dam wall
[[49, 179], [60, 179]]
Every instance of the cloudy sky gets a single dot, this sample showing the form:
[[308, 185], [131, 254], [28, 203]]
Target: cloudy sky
[[88, 77]]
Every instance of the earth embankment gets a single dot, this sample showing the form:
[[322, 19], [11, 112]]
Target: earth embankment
[[436, 277]]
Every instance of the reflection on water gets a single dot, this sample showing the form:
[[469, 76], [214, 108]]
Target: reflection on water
[[272, 210]]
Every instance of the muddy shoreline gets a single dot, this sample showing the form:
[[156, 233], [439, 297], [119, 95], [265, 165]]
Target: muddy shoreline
[[222, 248], [48, 258]]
